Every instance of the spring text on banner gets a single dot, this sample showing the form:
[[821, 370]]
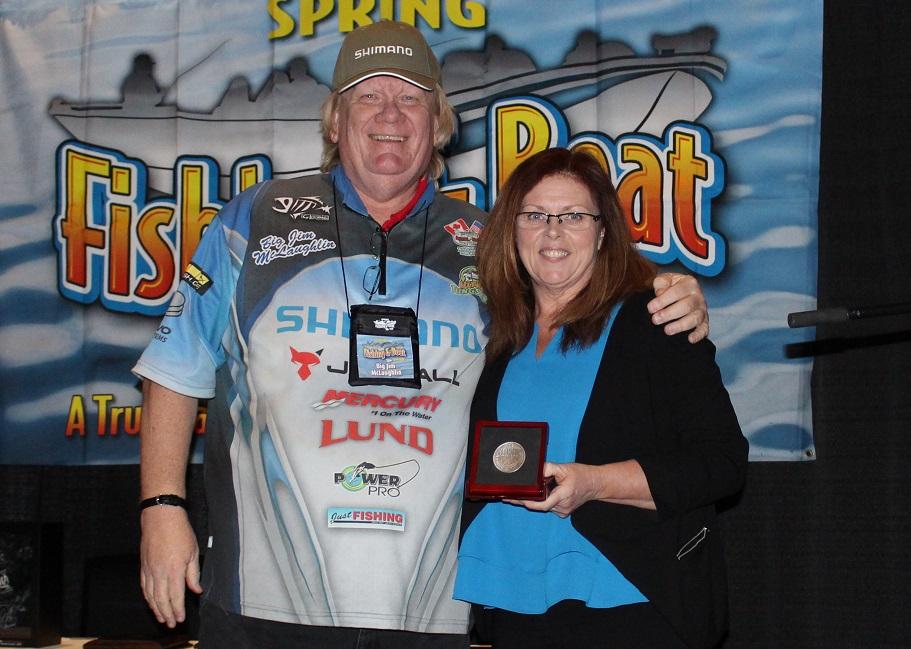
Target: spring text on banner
[[467, 14]]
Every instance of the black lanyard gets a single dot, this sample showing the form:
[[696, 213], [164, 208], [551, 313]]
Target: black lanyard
[[381, 280], [383, 341]]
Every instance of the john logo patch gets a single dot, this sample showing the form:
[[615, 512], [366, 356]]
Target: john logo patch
[[196, 278]]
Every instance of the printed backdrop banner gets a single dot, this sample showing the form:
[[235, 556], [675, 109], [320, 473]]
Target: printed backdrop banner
[[127, 124]]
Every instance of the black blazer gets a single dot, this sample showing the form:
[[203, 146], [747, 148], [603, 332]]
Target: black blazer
[[660, 400]]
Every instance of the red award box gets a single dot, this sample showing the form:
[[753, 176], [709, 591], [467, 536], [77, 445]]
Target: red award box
[[507, 461]]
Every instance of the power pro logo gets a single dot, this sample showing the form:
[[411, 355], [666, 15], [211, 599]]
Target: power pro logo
[[372, 480]]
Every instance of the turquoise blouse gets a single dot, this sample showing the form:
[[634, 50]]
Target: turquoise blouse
[[524, 561]]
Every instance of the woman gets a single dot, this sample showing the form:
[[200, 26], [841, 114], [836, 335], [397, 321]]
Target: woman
[[643, 439]]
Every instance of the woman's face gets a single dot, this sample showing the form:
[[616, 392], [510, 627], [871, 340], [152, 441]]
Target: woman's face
[[559, 259]]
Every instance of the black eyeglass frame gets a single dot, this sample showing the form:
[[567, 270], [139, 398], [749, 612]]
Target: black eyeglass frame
[[378, 285], [547, 217]]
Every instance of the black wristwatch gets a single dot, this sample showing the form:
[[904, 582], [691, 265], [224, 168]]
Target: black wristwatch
[[163, 499]]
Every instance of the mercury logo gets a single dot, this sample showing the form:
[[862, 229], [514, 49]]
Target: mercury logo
[[382, 49]]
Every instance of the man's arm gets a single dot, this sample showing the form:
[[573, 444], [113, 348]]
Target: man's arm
[[169, 552], [679, 302]]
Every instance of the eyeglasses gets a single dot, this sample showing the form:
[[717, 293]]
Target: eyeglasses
[[569, 220], [375, 275]]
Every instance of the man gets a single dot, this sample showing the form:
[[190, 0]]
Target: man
[[333, 509]]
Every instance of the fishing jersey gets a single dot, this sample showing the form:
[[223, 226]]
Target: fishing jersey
[[328, 504]]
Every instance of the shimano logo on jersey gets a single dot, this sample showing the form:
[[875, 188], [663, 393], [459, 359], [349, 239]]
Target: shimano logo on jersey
[[382, 49], [292, 318]]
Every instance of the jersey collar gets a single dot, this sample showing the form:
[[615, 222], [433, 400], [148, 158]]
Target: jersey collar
[[423, 197]]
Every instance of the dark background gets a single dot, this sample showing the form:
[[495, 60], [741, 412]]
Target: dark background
[[819, 553]]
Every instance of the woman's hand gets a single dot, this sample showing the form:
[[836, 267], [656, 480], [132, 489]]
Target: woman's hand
[[620, 482], [576, 484]]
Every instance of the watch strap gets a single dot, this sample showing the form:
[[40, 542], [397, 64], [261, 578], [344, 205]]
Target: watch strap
[[163, 499]]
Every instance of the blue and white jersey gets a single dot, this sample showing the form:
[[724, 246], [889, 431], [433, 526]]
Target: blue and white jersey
[[328, 504]]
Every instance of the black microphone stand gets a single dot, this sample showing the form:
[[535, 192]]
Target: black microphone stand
[[834, 315]]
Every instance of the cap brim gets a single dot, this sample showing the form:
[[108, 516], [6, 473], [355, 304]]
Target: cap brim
[[419, 80]]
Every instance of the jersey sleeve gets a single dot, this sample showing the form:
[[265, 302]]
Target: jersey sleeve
[[186, 350]]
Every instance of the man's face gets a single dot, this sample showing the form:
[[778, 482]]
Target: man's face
[[384, 131]]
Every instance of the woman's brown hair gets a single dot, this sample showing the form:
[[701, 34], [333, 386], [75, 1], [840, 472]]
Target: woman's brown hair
[[618, 270]]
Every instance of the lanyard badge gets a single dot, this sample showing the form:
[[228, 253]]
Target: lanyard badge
[[383, 346], [383, 342]]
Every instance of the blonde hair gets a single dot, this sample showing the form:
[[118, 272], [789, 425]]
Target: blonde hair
[[444, 119]]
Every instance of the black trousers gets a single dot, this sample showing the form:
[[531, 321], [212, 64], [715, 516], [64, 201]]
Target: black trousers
[[219, 629], [573, 625]]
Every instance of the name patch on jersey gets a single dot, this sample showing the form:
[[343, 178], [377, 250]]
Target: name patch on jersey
[[299, 243], [366, 519], [196, 278]]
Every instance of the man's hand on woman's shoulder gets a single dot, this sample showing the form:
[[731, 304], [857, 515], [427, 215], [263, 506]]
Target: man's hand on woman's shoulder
[[680, 306]]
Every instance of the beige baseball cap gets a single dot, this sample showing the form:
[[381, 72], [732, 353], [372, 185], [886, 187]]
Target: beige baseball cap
[[385, 48]]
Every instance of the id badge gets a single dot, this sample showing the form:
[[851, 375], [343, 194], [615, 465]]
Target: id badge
[[383, 346]]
